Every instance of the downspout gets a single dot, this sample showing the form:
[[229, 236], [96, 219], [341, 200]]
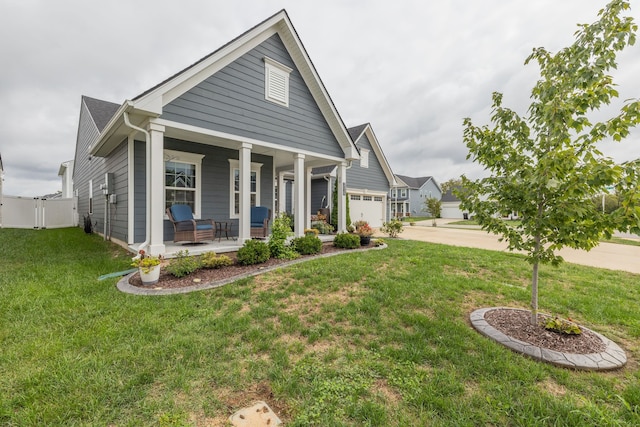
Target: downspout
[[147, 140]]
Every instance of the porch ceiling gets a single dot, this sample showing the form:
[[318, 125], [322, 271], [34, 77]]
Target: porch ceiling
[[282, 158]]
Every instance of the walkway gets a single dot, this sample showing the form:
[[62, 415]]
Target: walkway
[[606, 255]]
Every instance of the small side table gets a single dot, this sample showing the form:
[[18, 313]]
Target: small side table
[[223, 227]]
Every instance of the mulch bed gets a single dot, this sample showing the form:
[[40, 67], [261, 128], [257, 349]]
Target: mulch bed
[[516, 324], [167, 281]]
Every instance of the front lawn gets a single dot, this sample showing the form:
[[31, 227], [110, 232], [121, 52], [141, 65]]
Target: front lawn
[[376, 338]]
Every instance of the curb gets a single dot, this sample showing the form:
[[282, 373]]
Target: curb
[[124, 286], [613, 357]]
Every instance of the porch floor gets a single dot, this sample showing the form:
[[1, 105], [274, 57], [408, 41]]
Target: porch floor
[[219, 247]]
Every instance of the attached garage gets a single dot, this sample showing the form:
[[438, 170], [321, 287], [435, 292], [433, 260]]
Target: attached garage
[[368, 207]]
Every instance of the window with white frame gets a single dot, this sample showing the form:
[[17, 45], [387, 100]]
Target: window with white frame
[[364, 158], [403, 192], [234, 168], [182, 183], [394, 193], [276, 82]]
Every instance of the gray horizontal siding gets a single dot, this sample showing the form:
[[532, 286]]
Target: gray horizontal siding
[[371, 178], [117, 164], [215, 185], [233, 101], [88, 168]]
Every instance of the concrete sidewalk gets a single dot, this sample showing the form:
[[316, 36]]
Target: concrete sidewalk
[[606, 255]]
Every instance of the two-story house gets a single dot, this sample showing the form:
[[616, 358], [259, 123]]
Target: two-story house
[[409, 196]]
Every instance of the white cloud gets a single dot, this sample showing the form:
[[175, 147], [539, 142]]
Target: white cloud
[[413, 69]]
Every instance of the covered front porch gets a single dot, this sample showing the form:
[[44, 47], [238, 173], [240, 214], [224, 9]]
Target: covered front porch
[[229, 175]]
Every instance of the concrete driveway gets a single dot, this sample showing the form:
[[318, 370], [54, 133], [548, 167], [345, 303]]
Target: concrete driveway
[[606, 255]]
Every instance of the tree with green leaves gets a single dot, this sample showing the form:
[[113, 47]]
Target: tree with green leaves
[[546, 165], [434, 206], [450, 184]]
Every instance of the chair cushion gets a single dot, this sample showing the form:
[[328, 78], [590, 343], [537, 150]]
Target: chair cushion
[[204, 227], [258, 214], [181, 212]]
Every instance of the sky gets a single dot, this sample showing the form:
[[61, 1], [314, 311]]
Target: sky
[[413, 69]]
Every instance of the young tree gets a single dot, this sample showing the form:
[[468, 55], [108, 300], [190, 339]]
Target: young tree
[[546, 166], [435, 208]]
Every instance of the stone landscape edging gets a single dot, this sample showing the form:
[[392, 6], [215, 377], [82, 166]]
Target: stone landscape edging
[[613, 357], [123, 284]]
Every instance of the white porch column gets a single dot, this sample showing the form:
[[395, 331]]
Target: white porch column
[[299, 199], [155, 210], [244, 220], [307, 213], [342, 197], [282, 194]]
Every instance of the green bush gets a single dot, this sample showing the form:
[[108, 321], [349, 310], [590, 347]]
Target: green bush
[[392, 228], [182, 264], [253, 252], [280, 231], [346, 241], [307, 245], [211, 260], [322, 227]]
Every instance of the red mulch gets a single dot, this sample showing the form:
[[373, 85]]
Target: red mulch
[[167, 281]]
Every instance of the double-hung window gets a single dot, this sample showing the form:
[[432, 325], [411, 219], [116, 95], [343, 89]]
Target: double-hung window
[[182, 179], [234, 167]]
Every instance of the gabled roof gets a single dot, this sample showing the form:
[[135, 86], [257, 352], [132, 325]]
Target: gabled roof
[[151, 102], [448, 196], [415, 182], [101, 111], [356, 133]]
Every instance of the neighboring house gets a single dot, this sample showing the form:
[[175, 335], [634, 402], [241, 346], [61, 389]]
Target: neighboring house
[[451, 206], [66, 174], [368, 180], [408, 198], [220, 136]]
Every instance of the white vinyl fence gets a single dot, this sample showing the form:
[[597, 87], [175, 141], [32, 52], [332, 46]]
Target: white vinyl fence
[[30, 212]]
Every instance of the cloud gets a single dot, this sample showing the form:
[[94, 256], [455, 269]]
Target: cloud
[[413, 69]]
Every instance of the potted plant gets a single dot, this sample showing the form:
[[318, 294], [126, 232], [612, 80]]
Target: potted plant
[[148, 267], [364, 230]]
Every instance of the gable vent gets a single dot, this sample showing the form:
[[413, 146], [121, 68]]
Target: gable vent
[[276, 82]]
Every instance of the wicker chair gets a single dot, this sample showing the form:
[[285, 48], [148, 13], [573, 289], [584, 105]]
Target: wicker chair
[[188, 229], [260, 216]]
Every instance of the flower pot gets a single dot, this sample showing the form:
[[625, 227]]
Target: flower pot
[[365, 240], [150, 278]]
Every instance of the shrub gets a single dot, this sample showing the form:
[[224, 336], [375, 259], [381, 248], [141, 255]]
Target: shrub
[[280, 231], [346, 241], [392, 228], [183, 264], [307, 245], [562, 326], [322, 227], [211, 260], [313, 231], [253, 252]]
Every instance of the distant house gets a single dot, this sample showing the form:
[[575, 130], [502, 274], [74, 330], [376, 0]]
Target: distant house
[[368, 180], [222, 135], [66, 174], [408, 198], [451, 206]]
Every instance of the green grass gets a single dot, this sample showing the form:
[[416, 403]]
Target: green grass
[[379, 338]]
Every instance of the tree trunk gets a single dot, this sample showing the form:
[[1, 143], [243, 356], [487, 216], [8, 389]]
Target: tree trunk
[[534, 295]]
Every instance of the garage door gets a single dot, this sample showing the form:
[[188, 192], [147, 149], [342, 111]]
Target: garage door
[[451, 210], [367, 207]]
